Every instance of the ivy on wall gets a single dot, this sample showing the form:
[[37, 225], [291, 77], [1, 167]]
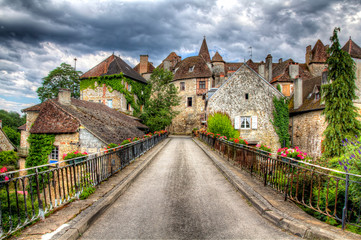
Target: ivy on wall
[[281, 120], [118, 82], [41, 146]]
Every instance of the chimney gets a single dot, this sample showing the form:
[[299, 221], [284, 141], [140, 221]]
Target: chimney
[[1, 124], [268, 72], [294, 70], [261, 69], [308, 55], [143, 66], [280, 60], [64, 96]]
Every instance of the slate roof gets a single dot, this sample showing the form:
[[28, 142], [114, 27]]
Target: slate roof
[[150, 68], [200, 68], [113, 65], [217, 57], [310, 103], [319, 54], [352, 48], [203, 51], [107, 124]]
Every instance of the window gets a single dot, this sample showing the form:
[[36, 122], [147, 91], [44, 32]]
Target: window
[[245, 122], [182, 86], [54, 155], [191, 69], [128, 106], [202, 84], [110, 103], [189, 102], [247, 96]]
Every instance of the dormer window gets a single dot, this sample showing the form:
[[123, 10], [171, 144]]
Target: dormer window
[[191, 68]]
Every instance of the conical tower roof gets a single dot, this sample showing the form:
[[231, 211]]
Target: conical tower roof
[[319, 54], [352, 48], [203, 52], [217, 58]]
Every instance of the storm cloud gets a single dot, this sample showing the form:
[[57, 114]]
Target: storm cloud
[[36, 36]]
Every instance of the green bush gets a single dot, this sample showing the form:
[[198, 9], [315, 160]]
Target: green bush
[[219, 123], [87, 192], [13, 135], [8, 158]]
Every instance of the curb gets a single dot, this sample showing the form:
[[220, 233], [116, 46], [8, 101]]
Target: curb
[[85, 219], [269, 212]]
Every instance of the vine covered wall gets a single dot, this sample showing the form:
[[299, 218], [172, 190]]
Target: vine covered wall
[[119, 83], [41, 146]]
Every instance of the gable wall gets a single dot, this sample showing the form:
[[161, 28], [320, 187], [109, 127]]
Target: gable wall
[[230, 99], [88, 142], [5, 145]]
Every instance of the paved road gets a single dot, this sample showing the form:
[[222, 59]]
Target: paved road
[[181, 195]]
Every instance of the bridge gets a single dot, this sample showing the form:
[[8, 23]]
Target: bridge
[[175, 187]]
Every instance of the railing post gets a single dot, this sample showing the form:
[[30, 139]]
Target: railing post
[[41, 208], [344, 210], [266, 173]]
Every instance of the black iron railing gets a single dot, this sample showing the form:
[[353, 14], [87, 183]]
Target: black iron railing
[[29, 194], [325, 192]]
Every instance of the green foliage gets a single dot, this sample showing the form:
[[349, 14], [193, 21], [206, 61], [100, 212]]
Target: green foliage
[[159, 111], [64, 76], [12, 119], [338, 95], [13, 135], [126, 141], [75, 154], [8, 158], [219, 123], [41, 146], [119, 83], [112, 145], [87, 192], [279, 88], [281, 120]]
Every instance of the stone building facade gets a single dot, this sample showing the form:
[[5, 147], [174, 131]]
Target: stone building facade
[[5, 143], [247, 98], [78, 125], [101, 93]]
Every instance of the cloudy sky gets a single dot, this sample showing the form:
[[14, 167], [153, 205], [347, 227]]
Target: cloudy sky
[[36, 36]]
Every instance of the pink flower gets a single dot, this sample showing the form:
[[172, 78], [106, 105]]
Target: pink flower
[[299, 155], [284, 155], [85, 153], [302, 157], [64, 155], [4, 169], [6, 178], [76, 152], [22, 192]]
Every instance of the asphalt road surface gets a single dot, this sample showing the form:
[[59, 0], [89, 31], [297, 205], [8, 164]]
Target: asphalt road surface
[[181, 195]]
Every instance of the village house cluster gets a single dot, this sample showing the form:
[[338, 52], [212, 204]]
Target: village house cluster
[[243, 90]]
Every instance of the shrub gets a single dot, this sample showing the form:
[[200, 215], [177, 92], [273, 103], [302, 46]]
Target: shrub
[[8, 158], [292, 153], [112, 145], [219, 123], [74, 154], [239, 141], [87, 192]]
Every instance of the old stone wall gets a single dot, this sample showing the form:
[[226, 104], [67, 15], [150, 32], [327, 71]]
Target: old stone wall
[[88, 142], [5, 144], [231, 99], [188, 117], [101, 94], [358, 79], [67, 143], [316, 69], [307, 132]]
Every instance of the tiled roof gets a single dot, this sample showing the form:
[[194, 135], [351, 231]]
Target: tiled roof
[[232, 67], [253, 65], [35, 108], [319, 54], [192, 67], [217, 57], [352, 48], [173, 58], [203, 52], [310, 103], [22, 127], [281, 72], [150, 68], [107, 124], [113, 65]]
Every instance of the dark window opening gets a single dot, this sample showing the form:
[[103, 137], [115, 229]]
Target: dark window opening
[[202, 84], [189, 102], [246, 96]]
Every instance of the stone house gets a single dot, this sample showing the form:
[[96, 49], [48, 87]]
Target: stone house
[[108, 71], [5, 143], [78, 125], [247, 98]]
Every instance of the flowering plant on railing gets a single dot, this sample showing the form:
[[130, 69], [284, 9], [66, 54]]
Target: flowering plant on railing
[[217, 135], [210, 134], [222, 138], [239, 141], [3, 170], [74, 154], [292, 153], [147, 135], [263, 147]]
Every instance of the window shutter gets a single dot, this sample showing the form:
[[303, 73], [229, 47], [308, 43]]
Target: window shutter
[[237, 122], [254, 122]]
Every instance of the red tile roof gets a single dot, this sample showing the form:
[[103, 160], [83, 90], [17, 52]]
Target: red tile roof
[[217, 57], [319, 54], [150, 68], [352, 48], [192, 67], [203, 52]]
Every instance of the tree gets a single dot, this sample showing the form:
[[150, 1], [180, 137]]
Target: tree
[[64, 76], [220, 123], [13, 135], [338, 95], [159, 112], [12, 119]]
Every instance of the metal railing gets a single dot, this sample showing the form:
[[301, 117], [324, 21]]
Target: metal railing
[[26, 198], [328, 194]]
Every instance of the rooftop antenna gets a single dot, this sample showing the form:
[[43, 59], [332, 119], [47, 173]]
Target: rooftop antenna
[[250, 51], [75, 64]]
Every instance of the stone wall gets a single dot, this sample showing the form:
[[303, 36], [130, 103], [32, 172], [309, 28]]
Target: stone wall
[[231, 99], [188, 117], [88, 142], [358, 79], [5, 144], [307, 130], [101, 94], [316, 69], [67, 143]]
